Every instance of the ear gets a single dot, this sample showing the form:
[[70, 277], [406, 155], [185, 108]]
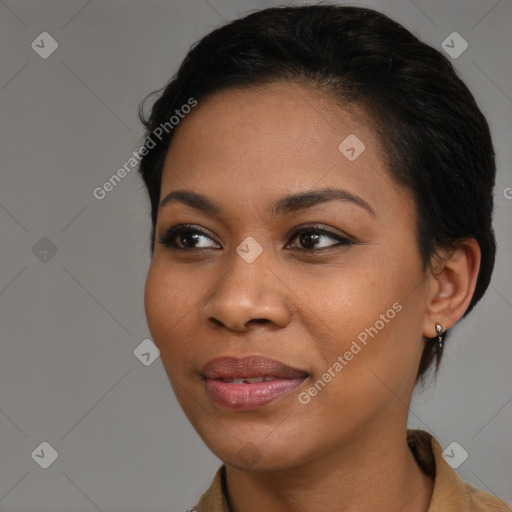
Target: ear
[[451, 285]]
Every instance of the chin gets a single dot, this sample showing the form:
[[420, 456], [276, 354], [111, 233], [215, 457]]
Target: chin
[[252, 447]]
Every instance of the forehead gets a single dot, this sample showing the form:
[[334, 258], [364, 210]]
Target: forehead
[[279, 112], [275, 138]]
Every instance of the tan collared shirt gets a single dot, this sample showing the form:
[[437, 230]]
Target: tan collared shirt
[[451, 494]]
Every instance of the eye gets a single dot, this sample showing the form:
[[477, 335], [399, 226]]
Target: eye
[[186, 237], [314, 238]]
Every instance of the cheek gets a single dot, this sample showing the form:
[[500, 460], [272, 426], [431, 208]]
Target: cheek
[[168, 302], [348, 298], [371, 310]]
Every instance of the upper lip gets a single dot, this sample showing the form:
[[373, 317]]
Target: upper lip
[[251, 366]]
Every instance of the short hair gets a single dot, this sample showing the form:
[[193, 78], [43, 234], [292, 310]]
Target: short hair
[[434, 138]]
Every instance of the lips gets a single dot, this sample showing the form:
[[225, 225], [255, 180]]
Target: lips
[[249, 367], [250, 382]]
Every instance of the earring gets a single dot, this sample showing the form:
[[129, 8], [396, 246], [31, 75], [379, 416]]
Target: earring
[[439, 331]]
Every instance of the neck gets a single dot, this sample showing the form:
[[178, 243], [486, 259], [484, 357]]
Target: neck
[[368, 473]]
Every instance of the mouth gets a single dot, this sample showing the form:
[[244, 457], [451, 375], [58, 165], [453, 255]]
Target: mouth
[[250, 382]]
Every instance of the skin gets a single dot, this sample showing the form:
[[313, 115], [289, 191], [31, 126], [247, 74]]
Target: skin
[[345, 449]]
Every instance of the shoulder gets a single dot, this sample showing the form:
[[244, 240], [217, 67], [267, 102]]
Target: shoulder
[[214, 498], [451, 493], [477, 499]]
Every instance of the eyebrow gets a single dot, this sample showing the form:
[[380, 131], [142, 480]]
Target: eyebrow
[[302, 200], [287, 204], [192, 199]]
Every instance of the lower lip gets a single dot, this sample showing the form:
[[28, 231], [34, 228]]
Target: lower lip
[[250, 396]]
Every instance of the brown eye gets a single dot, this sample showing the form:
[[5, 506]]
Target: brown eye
[[188, 239], [317, 239], [185, 237], [309, 240]]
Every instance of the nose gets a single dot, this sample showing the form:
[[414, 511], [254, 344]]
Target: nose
[[248, 294]]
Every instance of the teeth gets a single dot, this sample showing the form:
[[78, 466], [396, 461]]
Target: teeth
[[247, 380], [251, 380]]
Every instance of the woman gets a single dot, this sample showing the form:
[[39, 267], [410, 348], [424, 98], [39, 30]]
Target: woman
[[321, 189]]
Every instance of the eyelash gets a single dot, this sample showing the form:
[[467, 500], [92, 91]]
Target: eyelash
[[168, 239]]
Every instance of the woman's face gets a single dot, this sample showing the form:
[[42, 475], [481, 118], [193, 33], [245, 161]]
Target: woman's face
[[341, 306]]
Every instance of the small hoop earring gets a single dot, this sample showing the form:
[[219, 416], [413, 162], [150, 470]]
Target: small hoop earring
[[439, 331]]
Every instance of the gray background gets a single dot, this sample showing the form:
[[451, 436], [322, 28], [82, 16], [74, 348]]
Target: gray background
[[70, 321]]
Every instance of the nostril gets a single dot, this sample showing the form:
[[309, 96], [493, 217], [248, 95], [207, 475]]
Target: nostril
[[218, 322], [259, 320], [241, 326]]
